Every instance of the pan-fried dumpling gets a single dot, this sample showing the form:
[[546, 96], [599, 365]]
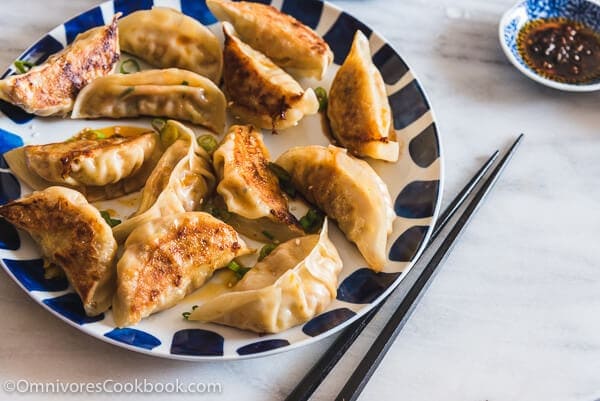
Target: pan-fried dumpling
[[250, 189], [51, 88], [167, 38], [358, 109], [166, 259], [285, 40], [179, 182], [259, 92], [86, 160], [349, 191], [72, 235], [294, 283], [171, 93], [91, 161]]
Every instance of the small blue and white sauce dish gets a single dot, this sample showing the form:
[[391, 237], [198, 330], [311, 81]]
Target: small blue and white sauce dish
[[555, 42]]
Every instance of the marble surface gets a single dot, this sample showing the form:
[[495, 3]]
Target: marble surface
[[514, 312]]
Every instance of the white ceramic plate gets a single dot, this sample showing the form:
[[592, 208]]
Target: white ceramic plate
[[415, 183]]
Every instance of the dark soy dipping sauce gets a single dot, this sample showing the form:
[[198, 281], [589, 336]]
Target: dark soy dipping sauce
[[561, 50]]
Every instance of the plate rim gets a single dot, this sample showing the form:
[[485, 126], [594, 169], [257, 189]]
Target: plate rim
[[310, 339]]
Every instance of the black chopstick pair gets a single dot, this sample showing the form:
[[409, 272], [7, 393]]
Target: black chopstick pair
[[367, 366]]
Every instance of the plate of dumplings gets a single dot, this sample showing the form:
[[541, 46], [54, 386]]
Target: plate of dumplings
[[214, 179]]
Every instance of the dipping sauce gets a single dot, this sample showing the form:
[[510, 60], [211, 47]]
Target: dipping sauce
[[560, 49]]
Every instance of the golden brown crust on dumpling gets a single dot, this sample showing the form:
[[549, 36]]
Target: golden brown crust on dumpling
[[249, 188], [285, 40], [349, 191], [88, 161], [358, 108], [251, 162], [51, 88], [259, 92], [167, 258], [72, 235]]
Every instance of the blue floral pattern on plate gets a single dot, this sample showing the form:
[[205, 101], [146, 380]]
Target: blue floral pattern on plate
[[583, 11]]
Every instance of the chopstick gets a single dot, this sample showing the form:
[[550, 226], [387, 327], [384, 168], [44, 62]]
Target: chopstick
[[315, 376], [384, 340]]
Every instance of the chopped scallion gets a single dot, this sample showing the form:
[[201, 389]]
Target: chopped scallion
[[265, 251], [23, 66], [98, 134], [238, 269], [208, 143], [127, 91], [158, 124], [109, 220], [168, 135], [285, 180], [129, 66], [312, 221], [322, 98], [268, 235]]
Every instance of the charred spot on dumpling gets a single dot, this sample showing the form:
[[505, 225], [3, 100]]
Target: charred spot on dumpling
[[287, 41], [246, 89], [250, 157], [72, 235], [249, 189], [50, 88], [358, 108], [259, 91], [167, 258]]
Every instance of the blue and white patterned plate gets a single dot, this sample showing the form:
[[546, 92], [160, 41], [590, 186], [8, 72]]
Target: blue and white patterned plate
[[415, 183], [584, 11]]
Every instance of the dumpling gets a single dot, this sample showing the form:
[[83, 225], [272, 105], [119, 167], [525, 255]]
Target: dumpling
[[167, 38], [72, 235], [250, 189], [171, 93], [99, 169], [91, 161], [179, 182], [259, 92], [349, 191], [358, 109], [51, 88], [294, 283], [166, 259], [285, 40]]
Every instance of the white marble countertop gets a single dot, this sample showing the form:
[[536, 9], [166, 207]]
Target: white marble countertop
[[514, 314]]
